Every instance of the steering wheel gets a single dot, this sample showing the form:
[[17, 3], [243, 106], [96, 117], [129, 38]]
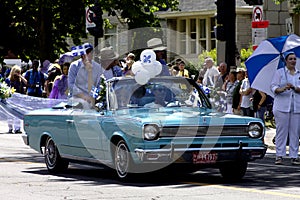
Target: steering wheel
[[174, 104]]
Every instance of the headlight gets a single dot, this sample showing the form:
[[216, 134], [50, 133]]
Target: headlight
[[255, 130], [151, 132]]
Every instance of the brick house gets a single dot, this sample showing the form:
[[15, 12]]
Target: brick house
[[195, 20], [192, 28]]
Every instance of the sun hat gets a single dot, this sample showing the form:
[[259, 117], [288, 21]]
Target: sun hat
[[45, 66], [286, 54], [53, 67], [131, 55], [156, 44], [107, 56]]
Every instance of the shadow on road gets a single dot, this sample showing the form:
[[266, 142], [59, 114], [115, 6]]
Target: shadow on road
[[262, 174]]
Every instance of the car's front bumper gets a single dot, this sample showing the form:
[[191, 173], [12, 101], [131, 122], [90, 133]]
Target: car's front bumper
[[185, 155]]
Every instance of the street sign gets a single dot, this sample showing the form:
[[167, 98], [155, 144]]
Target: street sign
[[258, 35], [257, 13], [289, 25], [259, 32], [260, 24], [88, 21]]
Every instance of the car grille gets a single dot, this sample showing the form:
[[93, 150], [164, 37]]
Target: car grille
[[201, 131]]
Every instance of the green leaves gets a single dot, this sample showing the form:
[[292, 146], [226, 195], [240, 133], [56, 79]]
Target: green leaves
[[294, 3], [39, 28]]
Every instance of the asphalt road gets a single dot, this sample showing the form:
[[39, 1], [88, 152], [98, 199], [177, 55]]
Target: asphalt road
[[24, 176]]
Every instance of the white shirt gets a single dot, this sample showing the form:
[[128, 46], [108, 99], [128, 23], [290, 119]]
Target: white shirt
[[245, 98], [210, 76], [283, 101]]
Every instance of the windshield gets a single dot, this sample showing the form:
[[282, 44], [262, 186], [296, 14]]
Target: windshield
[[158, 92]]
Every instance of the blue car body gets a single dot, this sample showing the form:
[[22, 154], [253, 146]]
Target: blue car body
[[185, 130]]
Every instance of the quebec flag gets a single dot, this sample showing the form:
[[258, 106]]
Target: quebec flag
[[94, 92]]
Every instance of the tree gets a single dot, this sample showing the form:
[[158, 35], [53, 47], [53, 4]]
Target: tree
[[295, 3], [39, 28]]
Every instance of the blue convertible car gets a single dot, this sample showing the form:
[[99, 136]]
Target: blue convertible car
[[143, 128]]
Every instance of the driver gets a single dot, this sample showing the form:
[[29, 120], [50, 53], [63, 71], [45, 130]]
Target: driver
[[160, 93]]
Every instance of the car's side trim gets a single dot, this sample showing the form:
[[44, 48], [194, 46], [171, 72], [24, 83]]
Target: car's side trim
[[85, 160]]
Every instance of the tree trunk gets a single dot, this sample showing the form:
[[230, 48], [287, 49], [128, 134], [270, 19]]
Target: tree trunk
[[45, 37]]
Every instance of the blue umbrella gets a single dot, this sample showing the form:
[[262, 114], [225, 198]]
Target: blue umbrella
[[267, 58]]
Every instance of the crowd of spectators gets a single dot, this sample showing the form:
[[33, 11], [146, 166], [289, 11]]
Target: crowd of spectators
[[75, 78]]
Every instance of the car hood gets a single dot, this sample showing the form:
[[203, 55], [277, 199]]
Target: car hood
[[184, 116]]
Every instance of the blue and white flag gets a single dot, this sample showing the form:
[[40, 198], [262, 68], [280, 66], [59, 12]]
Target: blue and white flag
[[80, 50], [94, 92]]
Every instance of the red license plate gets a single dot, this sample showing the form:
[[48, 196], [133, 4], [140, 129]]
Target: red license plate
[[204, 157]]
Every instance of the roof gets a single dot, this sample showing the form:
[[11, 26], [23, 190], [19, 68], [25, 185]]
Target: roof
[[191, 7], [197, 5]]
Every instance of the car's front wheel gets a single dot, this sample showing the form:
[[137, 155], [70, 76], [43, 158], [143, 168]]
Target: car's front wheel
[[233, 171], [122, 159], [53, 160]]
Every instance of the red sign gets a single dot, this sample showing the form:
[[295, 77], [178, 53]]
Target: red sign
[[257, 14], [254, 47], [260, 24]]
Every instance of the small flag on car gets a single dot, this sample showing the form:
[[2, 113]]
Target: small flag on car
[[94, 92]]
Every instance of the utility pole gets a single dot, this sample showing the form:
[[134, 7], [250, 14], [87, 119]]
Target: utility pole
[[226, 28], [97, 31], [230, 47]]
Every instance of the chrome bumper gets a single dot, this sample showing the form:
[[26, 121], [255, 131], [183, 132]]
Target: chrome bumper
[[172, 153]]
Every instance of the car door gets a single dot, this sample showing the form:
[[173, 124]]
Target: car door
[[85, 134]]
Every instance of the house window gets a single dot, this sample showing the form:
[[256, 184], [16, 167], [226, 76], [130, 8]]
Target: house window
[[195, 35], [182, 36], [202, 35], [110, 36], [212, 33]]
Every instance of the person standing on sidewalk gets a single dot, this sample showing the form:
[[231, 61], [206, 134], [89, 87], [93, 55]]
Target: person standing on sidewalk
[[246, 93], [236, 96], [260, 104], [286, 87], [18, 82]]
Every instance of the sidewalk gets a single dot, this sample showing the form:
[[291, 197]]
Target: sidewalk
[[270, 134], [4, 126]]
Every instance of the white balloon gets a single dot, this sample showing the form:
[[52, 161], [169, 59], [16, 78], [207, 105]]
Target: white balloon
[[147, 57], [151, 70], [142, 77], [136, 67], [158, 67]]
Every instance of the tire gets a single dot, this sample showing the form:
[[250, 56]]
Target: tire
[[53, 160], [122, 160], [233, 171]]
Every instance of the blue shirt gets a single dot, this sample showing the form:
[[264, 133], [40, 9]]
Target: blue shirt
[[165, 68], [35, 82], [74, 69], [81, 81]]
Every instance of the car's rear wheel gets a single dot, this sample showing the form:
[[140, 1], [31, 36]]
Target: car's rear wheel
[[122, 158], [233, 171], [53, 160]]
